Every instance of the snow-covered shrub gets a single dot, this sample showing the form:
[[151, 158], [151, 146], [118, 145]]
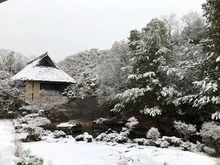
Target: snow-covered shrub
[[162, 143], [140, 141], [132, 122], [102, 137], [29, 121], [34, 133], [30, 124], [153, 133], [58, 134], [110, 137], [51, 96], [188, 146], [27, 158], [45, 133], [113, 137], [84, 137], [11, 93], [210, 133], [174, 141], [184, 129], [209, 150], [121, 138]]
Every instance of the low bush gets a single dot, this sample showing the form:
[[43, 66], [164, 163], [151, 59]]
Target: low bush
[[210, 133], [153, 133], [184, 130]]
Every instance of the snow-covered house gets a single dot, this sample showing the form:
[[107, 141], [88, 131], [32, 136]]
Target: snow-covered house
[[42, 74]]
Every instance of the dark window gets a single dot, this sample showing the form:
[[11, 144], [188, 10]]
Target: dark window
[[53, 87]]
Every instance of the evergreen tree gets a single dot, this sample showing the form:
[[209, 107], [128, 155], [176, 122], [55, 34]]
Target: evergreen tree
[[208, 97], [149, 91]]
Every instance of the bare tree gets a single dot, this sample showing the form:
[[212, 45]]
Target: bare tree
[[173, 26], [12, 61]]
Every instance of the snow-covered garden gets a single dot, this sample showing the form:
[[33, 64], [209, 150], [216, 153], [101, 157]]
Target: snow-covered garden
[[155, 98], [110, 147]]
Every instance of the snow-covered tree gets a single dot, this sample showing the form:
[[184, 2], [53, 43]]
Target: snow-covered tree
[[112, 73], [148, 89], [193, 27], [173, 27], [82, 66], [11, 92], [12, 61], [207, 99]]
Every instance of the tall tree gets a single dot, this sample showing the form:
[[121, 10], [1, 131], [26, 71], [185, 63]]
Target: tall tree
[[193, 27], [172, 25], [208, 97], [149, 91], [113, 71]]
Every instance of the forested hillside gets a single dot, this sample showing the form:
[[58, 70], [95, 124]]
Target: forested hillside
[[157, 69]]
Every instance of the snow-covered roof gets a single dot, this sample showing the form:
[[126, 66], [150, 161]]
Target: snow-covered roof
[[43, 69]]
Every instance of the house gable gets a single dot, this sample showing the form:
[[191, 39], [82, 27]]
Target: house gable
[[46, 61]]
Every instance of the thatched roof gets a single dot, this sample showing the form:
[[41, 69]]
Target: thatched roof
[[43, 69]]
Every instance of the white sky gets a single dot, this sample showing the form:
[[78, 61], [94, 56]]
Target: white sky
[[65, 27]]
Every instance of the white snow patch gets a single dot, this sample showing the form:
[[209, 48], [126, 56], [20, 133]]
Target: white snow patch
[[99, 153], [66, 125], [7, 145]]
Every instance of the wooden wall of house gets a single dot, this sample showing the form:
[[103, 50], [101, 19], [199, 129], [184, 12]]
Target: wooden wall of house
[[32, 91]]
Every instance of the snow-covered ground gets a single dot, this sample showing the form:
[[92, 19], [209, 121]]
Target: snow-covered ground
[[69, 152], [66, 151], [7, 143]]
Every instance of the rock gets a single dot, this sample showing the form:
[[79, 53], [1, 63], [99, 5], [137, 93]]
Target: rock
[[84, 137], [59, 134], [104, 124], [70, 127]]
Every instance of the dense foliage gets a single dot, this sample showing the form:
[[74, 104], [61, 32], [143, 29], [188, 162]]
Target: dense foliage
[[170, 65], [11, 94]]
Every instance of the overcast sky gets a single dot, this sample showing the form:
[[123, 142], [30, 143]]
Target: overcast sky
[[65, 27]]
